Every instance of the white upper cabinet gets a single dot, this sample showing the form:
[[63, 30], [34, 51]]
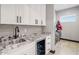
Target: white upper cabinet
[[43, 15], [35, 18], [8, 14], [33, 14], [19, 12], [26, 15], [23, 14], [14, 14]]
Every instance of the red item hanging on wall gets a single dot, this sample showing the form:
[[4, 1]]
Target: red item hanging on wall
[[59, 26]]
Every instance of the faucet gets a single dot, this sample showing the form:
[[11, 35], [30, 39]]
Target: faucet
[[16, 32]]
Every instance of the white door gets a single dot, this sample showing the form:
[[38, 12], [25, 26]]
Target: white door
[[35, 18], [43, 15], [8, 14]]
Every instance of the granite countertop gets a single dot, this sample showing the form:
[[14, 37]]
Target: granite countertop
[[21, 46]]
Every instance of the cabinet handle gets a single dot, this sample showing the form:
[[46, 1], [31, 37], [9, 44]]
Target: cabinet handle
[[36, 21], [17, 19], [20, 19]]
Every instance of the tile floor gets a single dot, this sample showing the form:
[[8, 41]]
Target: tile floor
[[64, 47]]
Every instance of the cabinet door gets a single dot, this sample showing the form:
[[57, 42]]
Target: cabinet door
[[8, 14], [23, 13], [20, 12], [26, 15], [43, 15], [35, 18]]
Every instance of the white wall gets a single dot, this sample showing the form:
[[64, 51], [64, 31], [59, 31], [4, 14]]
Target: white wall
[[70, 30], [64, 6]]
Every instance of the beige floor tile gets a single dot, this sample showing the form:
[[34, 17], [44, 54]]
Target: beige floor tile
[[64, 47]]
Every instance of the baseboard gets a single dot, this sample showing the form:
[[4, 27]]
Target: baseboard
[[69, 40]]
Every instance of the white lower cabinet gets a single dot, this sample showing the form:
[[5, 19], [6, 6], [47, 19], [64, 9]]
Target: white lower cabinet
[[48, 44]]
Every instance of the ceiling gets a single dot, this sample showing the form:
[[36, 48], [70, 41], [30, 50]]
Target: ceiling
[[64, 6]]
